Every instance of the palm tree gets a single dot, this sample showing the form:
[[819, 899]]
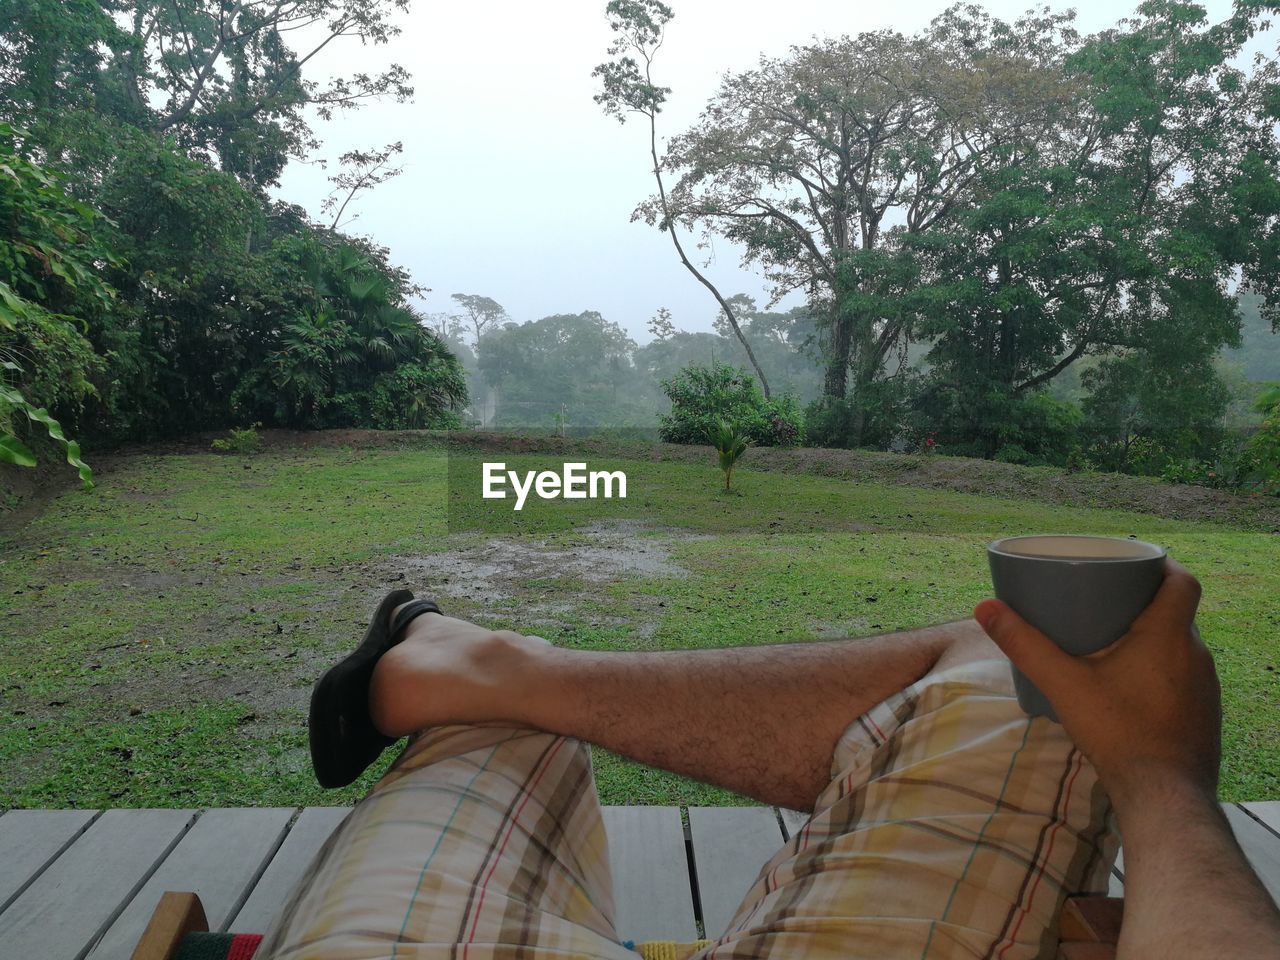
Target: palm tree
[[730, 443]]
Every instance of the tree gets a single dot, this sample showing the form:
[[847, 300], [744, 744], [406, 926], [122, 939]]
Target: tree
[[576, 360], [1259, 349], [174, 117], [701, 397], [483, 313], [638, 27], [362, 171], [660, 325], [821, 162], [223, 78], [1116, 233]]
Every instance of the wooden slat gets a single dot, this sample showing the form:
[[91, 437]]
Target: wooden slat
[[219, 859], [59, 915], [286, 868], [650, 873], [1259, 845], [730, 845], [1268, 811], [792, 821], [1115, 884], [30, 840]]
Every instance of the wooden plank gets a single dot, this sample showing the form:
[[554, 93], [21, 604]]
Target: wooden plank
[[792, 821], [1115, 884], [1259, 845], [78, 896], [650, 874], [30, 840], [219, 859], [730, 845], [1268, 811], [287, 868]]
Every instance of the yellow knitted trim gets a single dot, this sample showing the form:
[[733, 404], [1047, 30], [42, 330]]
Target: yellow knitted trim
[[669, 949]]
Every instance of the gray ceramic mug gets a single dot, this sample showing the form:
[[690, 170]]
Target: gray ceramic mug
[[1081, 592]]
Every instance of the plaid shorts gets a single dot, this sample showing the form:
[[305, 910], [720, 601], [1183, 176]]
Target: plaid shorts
[[953, 826]]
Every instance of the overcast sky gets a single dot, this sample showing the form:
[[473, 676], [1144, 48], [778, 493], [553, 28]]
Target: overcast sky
[[516, 185]]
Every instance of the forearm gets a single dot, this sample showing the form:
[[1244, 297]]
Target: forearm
[[1189, 892]]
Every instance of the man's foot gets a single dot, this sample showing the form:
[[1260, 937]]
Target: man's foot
[[447, 670]]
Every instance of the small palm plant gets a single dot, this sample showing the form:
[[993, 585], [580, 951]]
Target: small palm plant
[[730, 443]]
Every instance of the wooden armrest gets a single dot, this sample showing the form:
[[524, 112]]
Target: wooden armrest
[[1091, 920], [176, 915]]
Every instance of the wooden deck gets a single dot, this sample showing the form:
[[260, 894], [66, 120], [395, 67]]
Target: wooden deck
[[79, 883]]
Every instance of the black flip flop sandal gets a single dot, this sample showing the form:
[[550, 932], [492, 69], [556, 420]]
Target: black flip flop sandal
[[344, 740]]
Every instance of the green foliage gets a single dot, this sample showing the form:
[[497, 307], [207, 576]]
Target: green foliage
[[50, 256], [873, 416], [351, 353], [1259, 349], [730, 443], [701, 397], [193, 302], [242, 440], [578, 360], [420, 395], [1261, 458], [1146, 410]]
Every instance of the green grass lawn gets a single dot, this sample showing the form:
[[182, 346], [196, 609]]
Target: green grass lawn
[[159, 635]]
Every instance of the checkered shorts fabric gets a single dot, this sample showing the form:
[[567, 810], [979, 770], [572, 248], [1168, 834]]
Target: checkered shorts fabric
[[953, 826]]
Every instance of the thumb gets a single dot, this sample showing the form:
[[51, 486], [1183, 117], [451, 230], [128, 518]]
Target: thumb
[[1042, 660]]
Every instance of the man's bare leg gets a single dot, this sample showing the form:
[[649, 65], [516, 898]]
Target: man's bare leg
[[762, 721]]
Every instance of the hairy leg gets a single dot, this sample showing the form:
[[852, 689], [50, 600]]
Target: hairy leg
[[762, 721]]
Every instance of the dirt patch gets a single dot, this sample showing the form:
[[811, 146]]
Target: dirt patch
[[501, 569], [553, 579]]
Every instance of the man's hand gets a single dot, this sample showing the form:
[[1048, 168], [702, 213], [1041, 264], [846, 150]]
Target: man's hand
[[1147, 709]]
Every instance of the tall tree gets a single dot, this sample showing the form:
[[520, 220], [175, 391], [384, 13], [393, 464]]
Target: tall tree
[[223, 77], [822, 162], [1118, 232], [639, 27], [483, 313]]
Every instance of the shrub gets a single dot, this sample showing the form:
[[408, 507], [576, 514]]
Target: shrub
[[244, 441], [1260, 460], [422, 395], [703, 396], [995, 423], [874, 420]]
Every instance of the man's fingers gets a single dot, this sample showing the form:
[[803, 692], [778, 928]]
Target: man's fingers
[[1030, 650]]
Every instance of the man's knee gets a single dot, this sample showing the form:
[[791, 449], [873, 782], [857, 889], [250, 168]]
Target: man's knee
[[966, 642]]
